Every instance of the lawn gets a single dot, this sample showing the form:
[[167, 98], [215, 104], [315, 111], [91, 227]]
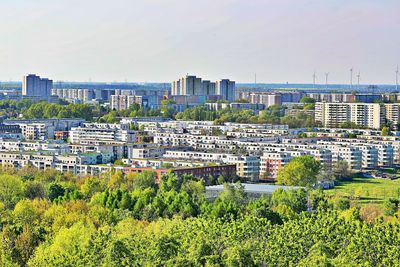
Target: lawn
[[368, 190]]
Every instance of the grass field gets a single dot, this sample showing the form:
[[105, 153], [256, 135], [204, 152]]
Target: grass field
[[368, 190]]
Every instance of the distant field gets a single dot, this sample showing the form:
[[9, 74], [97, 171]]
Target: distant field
[[368, 190]]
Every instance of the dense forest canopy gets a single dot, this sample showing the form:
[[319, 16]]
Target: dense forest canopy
[[50, 218]]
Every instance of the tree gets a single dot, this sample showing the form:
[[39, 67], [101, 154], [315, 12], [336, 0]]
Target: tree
[[390, 206], [340, 202], [296, 200], [92, 185], [385, 131], [325, 174], [11, 190], [55, 190], [307, 100], [341, 169], [34, 189], [66, 248], [146, 179], [350, 125], [300, 171]]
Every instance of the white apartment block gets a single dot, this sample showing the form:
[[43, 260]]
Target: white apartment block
[[36, 131], [352, 155], [371, 115], [374, 153], [122, 102], [76, 164], [100, 133], [17, 145], [268, 100], [147, 152]]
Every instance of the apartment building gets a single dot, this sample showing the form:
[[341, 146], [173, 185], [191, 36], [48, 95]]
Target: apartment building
[[392, 113], [246, 166], [271, 163], [267, 99], [352, 155], [50, 147], [72, 94], [101, 133], [190, 85], [119, 150], [147, 152], [234, 105], [34, 86], [36, 131], [209, 88], [203, 172], [76, 164], [39, 129], [122, 102], [373, 153], [226, 88], [363, 114]]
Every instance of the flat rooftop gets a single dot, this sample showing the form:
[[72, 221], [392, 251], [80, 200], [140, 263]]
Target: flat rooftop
[[255, 188]]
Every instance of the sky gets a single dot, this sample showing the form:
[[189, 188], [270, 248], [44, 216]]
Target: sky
[[160, 40]]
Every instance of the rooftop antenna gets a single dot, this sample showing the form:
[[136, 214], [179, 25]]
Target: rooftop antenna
[[397, 77], [314, 77], [358, 80], [326, 80], [351, 78]]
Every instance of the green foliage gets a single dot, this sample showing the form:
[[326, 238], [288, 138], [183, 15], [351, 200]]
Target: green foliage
[[295, 200], [300, 120], [274, 114], [385, 131], [11, 190], [242, 101], [350, 125], [341, 170], [300, 171], [310, 240], [369, 190], [55, 191], [136, 110], [307, 100], [47, 110], [115, 220], [390, 206]]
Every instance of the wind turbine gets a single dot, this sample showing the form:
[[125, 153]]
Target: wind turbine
[[358, 79], [326, 80], [351, 78], [314, 77], [397, 77]]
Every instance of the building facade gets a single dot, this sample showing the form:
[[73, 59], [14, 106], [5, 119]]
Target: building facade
[[34, 86]]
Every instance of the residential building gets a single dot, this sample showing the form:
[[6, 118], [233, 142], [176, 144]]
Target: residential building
[[35, 86], [226, 88], [101, 133], [204, 172], [363, 114]]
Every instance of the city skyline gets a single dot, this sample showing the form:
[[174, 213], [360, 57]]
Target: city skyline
[[159, 40]]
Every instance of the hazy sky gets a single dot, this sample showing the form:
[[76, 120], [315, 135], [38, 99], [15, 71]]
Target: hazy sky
[[160, 40]]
